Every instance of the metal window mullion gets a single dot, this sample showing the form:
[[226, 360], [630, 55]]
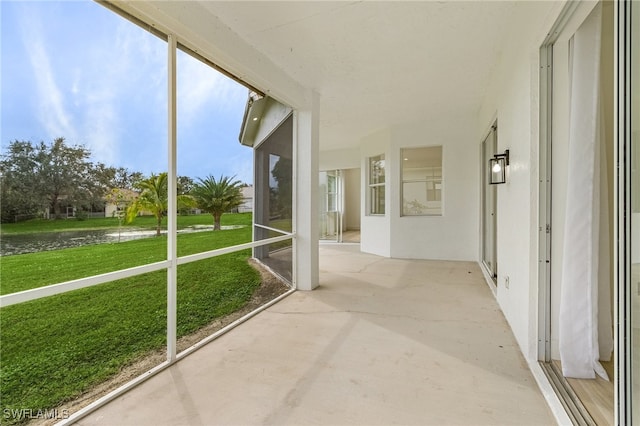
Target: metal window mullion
[[172, 205]]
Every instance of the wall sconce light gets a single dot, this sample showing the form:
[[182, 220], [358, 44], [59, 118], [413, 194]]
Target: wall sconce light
[[497, 166]]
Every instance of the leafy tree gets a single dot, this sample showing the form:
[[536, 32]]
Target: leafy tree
[[121, 198], [125, 179], [40, 176], [19, 181], [154, 198], [66, 174], [217, 196], [281, 198], [185, 185]]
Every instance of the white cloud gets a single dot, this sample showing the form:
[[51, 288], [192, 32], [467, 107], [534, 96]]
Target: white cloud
[[113, 92], [199, 86], [242, 168], [101, 126], [52, 114], [104, 84]]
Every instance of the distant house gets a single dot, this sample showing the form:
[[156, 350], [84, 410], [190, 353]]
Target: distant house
[[112, 206], [69, 210], [247, 200]]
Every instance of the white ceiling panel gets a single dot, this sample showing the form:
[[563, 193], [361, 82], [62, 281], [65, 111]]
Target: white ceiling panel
[[376, 64]]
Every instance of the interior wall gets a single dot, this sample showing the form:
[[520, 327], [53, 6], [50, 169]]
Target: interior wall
[[513, 98], [352, 204]]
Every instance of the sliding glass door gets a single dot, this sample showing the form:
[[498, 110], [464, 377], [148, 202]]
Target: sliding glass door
[[331, 211], [489, 253]]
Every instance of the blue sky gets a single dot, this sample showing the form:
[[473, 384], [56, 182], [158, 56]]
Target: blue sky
[[74, 69]]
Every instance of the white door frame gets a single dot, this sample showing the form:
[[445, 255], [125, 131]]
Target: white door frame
[[489, 146]]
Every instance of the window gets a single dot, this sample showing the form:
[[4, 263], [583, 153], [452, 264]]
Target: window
[[422, 181], [376, 185]]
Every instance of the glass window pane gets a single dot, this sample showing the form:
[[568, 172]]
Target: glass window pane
[[415, 198], [376, 170], [332, 204], [377, 199], [422, 181], [331, 184], [376, 184]]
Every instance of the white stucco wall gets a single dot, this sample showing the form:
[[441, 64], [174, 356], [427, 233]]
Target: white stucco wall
[[352, 201], [453, 235], [513, 97], [339, 159]]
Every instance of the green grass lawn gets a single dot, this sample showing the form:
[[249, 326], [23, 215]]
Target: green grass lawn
[[53, 349]]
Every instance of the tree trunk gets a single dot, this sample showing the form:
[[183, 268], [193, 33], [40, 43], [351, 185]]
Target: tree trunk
[[158, 226], [216, 221]]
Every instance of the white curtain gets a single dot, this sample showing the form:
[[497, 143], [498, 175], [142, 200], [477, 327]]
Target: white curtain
[[585, 324]]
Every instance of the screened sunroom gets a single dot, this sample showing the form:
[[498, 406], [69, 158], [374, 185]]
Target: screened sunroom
[[484, 155]]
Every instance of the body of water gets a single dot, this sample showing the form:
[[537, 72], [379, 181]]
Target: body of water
[[45, 241]]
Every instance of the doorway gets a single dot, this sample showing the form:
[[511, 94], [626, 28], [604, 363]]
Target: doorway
[[331, 209], [576, 188], [339, 203], [489, 206]]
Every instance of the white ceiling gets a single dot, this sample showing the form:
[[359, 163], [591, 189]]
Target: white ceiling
[[376, 64]]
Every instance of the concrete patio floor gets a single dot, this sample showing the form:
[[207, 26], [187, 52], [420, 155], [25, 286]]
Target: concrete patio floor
[[380, 342]]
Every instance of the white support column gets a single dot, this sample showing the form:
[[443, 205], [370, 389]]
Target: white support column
[[306, 142], [172, 207]]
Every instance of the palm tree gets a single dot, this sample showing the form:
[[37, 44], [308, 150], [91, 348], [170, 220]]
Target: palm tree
[[217, 197], [154, 198]]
